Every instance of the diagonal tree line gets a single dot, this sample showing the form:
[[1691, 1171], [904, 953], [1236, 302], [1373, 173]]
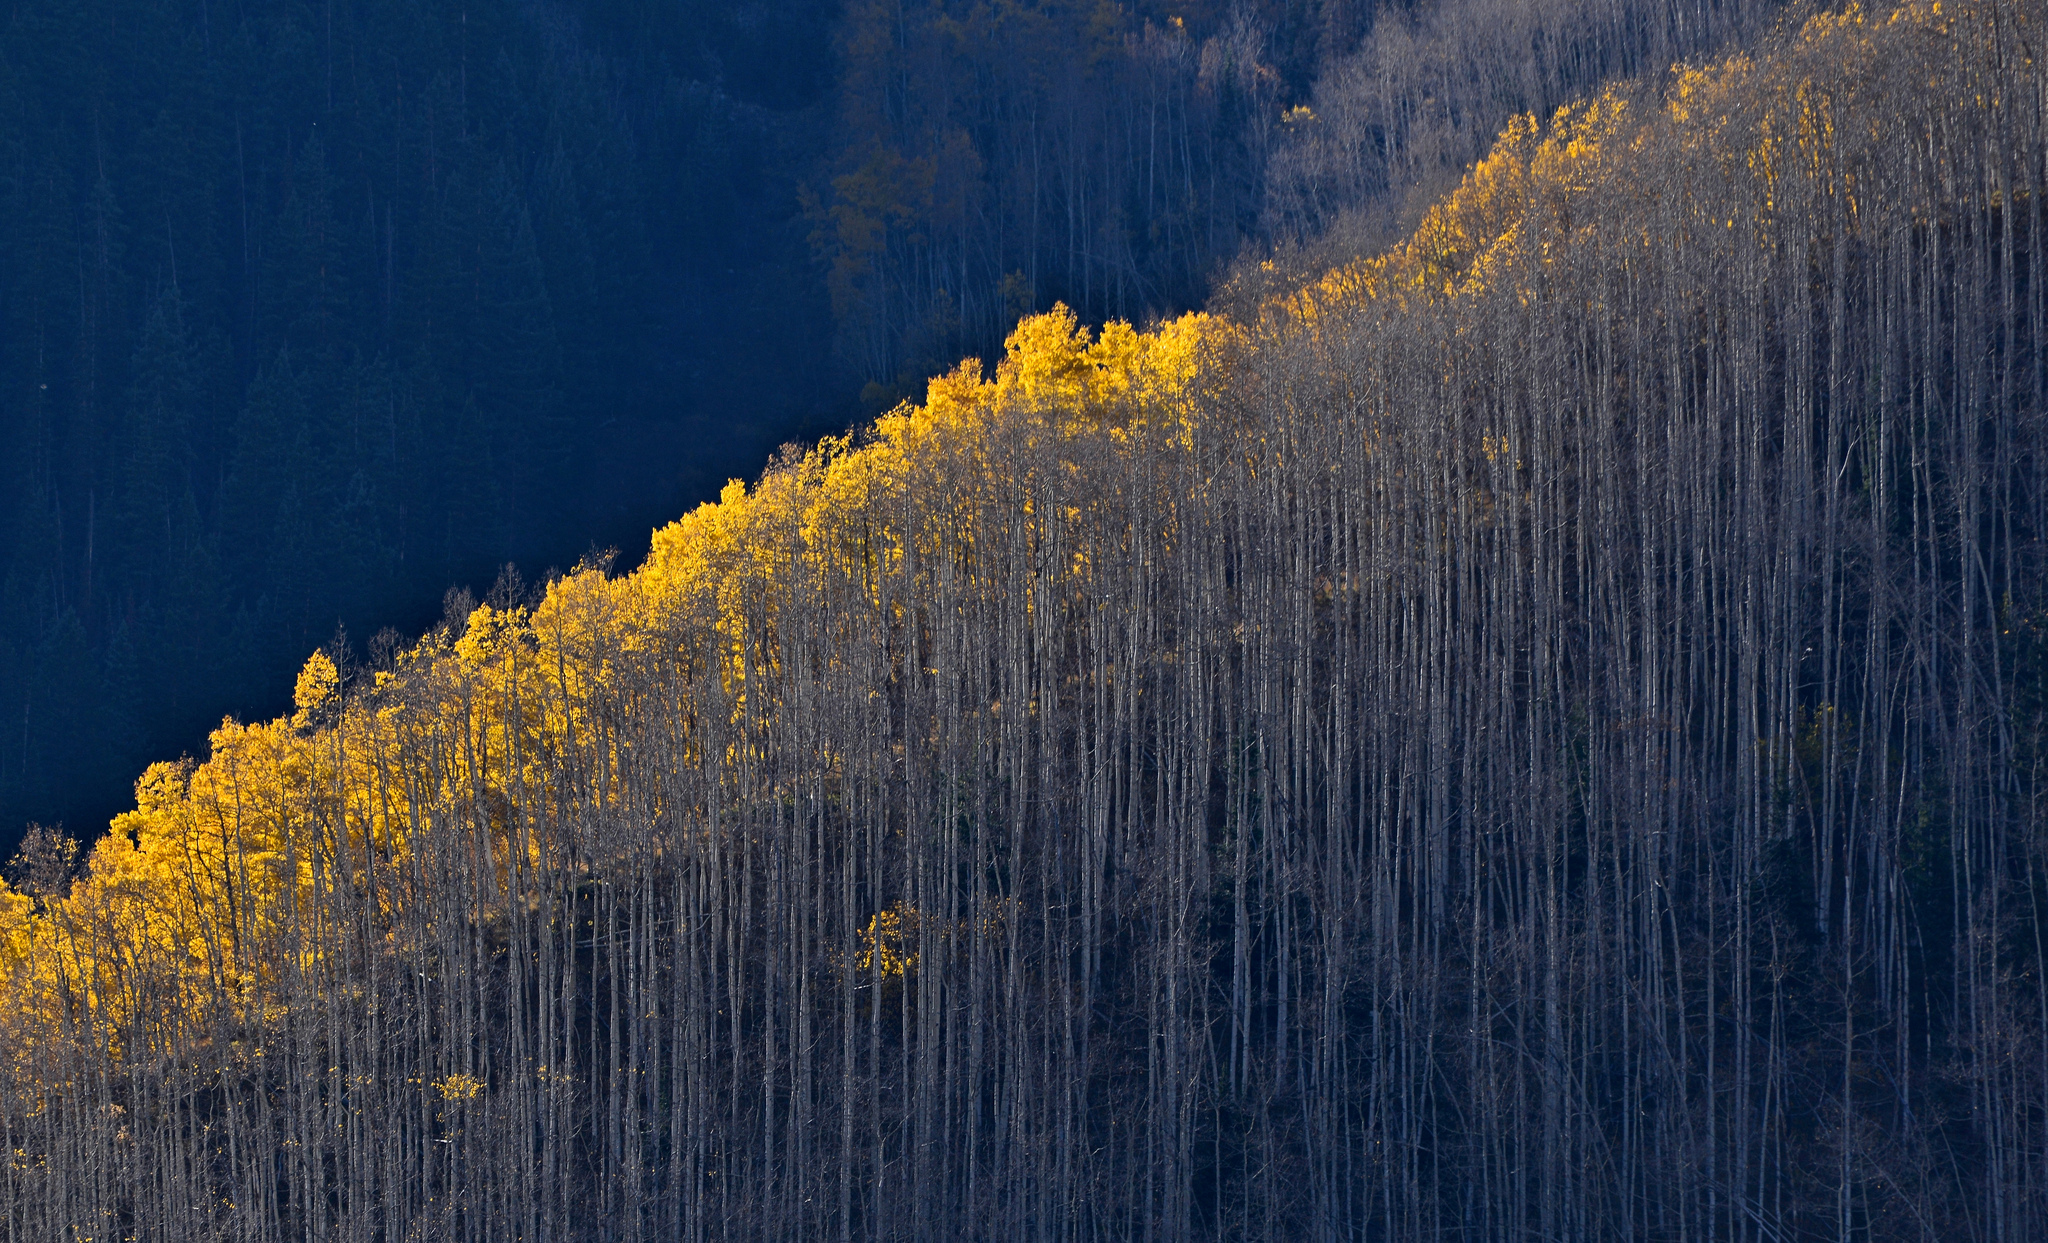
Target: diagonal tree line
[[1537, 734]]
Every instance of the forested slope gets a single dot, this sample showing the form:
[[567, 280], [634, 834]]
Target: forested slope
[[309, 311], [1535, 734]]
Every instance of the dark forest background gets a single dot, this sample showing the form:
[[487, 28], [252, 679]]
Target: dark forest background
[[312, 312]]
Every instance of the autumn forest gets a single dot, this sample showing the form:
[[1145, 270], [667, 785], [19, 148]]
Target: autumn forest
[[1372, 621]]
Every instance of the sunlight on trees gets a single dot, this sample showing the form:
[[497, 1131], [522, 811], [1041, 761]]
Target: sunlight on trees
[[1534, 733]]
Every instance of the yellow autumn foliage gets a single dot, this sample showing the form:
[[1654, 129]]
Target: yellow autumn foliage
[[226, 878], [221, 883]]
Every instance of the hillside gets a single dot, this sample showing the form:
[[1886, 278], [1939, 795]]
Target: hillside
[[1537, 733], [309, 311]]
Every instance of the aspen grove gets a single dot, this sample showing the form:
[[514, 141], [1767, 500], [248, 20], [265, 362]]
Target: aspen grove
[[1541, 733]]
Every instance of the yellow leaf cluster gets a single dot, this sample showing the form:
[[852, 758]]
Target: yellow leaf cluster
[[233, 876]]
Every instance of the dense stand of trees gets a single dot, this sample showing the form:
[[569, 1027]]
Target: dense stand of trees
[[1538, 734], [1422, 96], [993, 158], [309, 310]]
